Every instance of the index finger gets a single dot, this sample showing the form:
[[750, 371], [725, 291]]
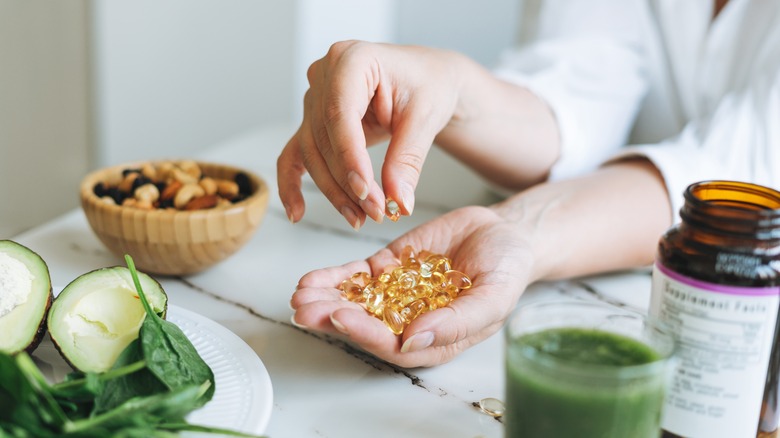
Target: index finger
[[344, 107]]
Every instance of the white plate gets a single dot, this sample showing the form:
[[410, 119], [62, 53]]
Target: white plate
[[243, 397]]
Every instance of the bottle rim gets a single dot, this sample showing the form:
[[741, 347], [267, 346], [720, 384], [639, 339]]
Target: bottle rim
[[697, 194], [734, 207]]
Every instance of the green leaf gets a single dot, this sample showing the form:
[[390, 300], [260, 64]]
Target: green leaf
[[146, 411], [168, 352], [15, 390], [50, 411], [26, 407], [19, 405], [187, 427], [124, 387], [8, 430]]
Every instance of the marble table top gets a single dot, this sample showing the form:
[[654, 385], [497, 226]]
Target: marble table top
[[322, 386]]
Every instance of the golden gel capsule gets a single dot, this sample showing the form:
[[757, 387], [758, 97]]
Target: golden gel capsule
[[404, 291]]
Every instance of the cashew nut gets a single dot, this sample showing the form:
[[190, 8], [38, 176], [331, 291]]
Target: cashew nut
[[164, 170], [227, 189], [186, 193], [182, 176], [148, 171], [147, 193], [191, 168], [209, 185], [126, 185]]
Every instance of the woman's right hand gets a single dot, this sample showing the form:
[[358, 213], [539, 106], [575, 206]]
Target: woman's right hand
[[360, 94]]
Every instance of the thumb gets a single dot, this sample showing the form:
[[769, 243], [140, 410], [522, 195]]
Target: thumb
[[464, 322]]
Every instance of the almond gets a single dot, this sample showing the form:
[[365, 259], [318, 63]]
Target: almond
[[202, 202]]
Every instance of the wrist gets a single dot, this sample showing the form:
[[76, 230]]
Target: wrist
[[528, 218]]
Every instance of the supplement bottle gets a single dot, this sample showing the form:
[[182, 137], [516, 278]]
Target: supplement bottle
[[716, 283]]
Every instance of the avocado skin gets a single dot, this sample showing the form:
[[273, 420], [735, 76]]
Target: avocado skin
[[41, 331], [42, 328]]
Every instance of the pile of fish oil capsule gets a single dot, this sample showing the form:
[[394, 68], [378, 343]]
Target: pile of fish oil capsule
[[418, 283]]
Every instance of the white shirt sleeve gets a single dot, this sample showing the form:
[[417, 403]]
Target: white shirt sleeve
[[740, 142], [586, 63]]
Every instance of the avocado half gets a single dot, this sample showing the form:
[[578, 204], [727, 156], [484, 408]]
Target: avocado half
[[25, 297], [98, 314]]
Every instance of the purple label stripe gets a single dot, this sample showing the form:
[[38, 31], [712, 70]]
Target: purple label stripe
[[719, 288]]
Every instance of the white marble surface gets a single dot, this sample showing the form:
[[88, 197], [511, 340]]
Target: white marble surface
[[323, 387]]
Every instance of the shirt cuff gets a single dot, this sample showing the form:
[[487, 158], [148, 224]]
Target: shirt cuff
[[680, 165]]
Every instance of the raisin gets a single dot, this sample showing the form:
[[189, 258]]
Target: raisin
[[244, 184], [117, 195], [165, 203], [100, 190], [138, 182]]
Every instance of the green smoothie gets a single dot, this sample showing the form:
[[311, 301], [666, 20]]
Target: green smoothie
[[584, 383]]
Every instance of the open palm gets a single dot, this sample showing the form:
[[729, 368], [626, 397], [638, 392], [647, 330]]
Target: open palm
[[478, 241]]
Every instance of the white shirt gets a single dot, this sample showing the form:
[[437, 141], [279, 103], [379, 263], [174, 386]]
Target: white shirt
[[698, 97]]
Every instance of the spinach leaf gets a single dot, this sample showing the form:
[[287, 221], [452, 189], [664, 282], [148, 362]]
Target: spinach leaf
[[18, 402], [15, 391], [124, 387], [186, 427], [49, 410], [148, 412], [26, 408], [80, 392], [168, 352]]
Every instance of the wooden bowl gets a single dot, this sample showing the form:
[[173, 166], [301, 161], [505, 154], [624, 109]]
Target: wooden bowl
[[169, 241]]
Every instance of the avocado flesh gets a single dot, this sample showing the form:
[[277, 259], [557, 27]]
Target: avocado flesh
[[98, 327], [25, 297], [97, 315], [15, 282]]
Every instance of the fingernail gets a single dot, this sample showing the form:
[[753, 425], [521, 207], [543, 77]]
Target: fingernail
[[407, 198], [295, 323], [351, 217], [289, 304], [339, 326], [372, 210], [288, 213], [358, 185], [417, 342]]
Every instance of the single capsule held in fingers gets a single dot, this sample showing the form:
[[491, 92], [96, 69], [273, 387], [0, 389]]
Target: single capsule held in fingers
[[393, 211]]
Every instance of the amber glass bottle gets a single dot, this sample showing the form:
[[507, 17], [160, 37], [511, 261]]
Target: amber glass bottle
[[716, 282]]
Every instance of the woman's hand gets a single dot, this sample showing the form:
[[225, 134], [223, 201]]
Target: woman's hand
[[360, 94], [478, 241], [604, 221]]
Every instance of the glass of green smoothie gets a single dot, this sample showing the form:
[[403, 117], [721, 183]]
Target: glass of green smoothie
[[586, 370]]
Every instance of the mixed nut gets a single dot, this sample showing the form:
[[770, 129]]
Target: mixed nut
[[173, 185]]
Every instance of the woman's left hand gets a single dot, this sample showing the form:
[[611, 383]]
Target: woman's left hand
[[478, 241]]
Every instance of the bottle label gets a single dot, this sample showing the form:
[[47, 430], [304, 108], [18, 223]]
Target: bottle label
[[724, 336]]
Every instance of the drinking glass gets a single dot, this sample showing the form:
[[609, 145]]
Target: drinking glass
[[585, 369]]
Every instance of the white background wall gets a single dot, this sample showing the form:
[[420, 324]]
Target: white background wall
[[170, 77], [480, 29], [45, 119], [175, 76]]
